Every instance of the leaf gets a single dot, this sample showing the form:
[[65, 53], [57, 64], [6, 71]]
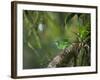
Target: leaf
[[30, 46], [70, 17]]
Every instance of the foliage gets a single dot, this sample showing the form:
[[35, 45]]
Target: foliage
[[45, 34]]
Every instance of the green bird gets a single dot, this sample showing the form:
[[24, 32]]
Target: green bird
[[62, 44]]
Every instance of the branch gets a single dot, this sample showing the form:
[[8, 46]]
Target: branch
[[64, 56]]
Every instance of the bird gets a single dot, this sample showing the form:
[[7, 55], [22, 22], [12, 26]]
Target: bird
[[62, 44]]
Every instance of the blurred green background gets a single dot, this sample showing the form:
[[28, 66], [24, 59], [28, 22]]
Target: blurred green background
[[45, 34]]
